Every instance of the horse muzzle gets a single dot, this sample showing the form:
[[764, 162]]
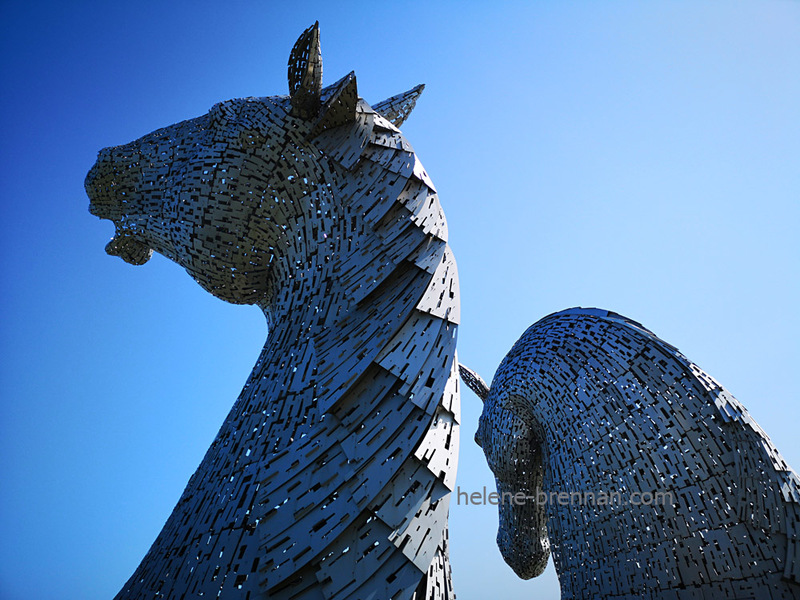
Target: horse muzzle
[[107, 200]]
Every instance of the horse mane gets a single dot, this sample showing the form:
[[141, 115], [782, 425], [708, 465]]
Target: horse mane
[[384, 364]]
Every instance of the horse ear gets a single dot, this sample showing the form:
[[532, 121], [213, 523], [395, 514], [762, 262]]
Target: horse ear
[[305, 74], [340, 105], [397, 108], [474, 382], [344, 124]]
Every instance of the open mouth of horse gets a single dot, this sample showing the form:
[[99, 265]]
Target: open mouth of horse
[[130, 249]]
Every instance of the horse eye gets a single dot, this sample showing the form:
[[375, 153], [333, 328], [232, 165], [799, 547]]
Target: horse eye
[[221, 114], [251, 138], [214, 114]]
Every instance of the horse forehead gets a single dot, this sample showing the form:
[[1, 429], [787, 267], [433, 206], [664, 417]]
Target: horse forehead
[[500, 423], [497, 413], [270, 111], [492, 425], [218, 129]]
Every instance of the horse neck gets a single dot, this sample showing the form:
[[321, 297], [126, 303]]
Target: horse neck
[[347, 288]]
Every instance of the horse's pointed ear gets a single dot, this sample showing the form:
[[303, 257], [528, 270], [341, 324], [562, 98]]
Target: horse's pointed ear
[[305, 74], [474, 382], [340, 106], [397, 108]]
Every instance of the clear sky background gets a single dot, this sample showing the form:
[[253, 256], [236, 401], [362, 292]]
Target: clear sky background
[[639, 157]]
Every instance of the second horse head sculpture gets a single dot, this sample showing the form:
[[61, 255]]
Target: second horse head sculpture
[[641, 473]]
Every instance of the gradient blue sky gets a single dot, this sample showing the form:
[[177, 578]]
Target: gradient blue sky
[[640, 157]]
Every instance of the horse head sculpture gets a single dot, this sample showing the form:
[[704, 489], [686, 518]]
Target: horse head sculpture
[[229, 195], [331, 475], [514, 447], [644, 475]]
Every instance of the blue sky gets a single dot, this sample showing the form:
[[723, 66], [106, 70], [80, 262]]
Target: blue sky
[[639, 157]]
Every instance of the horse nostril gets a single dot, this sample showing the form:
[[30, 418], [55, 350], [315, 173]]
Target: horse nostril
[[100, 185], [104, 157]]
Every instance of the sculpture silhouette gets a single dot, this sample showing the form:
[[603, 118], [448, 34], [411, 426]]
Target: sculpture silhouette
[[643, 474], [330, 477]]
